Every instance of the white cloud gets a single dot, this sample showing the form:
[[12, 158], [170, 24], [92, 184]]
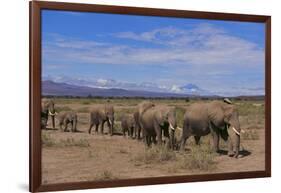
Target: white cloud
[[203, 45], [203, 52]]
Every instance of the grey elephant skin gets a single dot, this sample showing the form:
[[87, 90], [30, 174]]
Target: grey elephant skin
[[47, 109], [141, 108], [66, 118], [157, 121], [216, 117], [101, 114], [128, 125]]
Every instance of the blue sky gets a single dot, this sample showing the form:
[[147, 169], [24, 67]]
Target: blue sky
[[153, 53]]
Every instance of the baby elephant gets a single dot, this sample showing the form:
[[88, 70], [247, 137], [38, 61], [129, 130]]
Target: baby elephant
[[128, 125], [65, 118]]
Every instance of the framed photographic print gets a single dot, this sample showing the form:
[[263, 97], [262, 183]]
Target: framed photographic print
[[124, 96]]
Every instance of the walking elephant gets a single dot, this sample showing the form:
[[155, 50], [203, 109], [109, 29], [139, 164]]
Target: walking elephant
[[141, 108], [101, 114], [66, 118], [157, 120], [128, 125], [47, 109], [218, 118]]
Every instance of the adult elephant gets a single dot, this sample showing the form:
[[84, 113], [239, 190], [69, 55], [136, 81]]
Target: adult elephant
[[141, 108], [218, 118], [101, 114], [47, 109], [156, 121]]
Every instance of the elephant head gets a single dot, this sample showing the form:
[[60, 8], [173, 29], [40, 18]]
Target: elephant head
[[166, 118], [48, 109], [109, 113], [225, 118]]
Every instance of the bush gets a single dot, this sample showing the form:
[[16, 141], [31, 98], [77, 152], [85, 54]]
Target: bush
[[200, 158], [155, 154]]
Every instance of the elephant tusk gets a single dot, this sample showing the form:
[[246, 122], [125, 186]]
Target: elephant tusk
[[179, 128], [52, 114], [233, 128], [172, 127], [109, 122]]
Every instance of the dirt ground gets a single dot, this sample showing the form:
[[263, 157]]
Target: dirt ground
[[75, 157]]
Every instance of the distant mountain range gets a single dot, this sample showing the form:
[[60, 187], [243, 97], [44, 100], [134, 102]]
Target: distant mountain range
[[63, 89]]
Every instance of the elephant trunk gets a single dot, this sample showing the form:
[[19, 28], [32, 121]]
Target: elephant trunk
[[111, 125], [172, 128], [53, 121], [75, 125], [236, 145]]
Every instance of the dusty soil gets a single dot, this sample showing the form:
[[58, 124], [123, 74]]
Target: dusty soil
[[75, 157]]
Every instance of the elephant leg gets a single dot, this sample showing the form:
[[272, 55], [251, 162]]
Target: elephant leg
[[124, 132], [102, 125], [158, 131], [183, 142], [60, 124], [72, 127], [216, 138], [90, 128], [139, 133], [153, 138], [65, 127], [97, 128], [110, 131], [197, 139], [230, 148], [148, 139]]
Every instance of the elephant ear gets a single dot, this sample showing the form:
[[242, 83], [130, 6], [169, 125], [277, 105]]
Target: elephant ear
[[228, 111]]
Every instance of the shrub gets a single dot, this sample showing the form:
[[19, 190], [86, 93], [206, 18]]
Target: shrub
[[155, 154], [200, 158]]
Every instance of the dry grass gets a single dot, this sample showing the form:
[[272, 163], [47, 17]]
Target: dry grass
[[48, 141], [155, 154], [201, 158], [250, 135], [105, 175]]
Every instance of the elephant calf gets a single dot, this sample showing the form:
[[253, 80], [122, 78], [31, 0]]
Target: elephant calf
[[128, 125], [65, 118]]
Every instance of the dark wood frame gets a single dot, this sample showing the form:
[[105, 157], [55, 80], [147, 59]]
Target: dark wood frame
[[35, 94]]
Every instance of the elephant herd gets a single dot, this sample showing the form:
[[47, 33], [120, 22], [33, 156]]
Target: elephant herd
[[157, 123]]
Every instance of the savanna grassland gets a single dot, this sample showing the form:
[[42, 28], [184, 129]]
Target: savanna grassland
[[73, 157]]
